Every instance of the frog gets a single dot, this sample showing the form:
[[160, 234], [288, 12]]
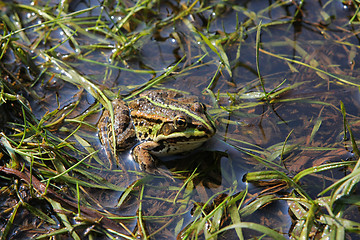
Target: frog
[[156, 123]]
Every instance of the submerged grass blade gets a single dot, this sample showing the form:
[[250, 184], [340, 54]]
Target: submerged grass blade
[[64, 219], [323, 167], [129, 189], [90, 149], [70, 168], [346, 125], [37, 212], [343, 79], [257, 46], [141, 225], [253, 226], [256, 205]]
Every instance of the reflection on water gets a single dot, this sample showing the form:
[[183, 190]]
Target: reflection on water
[[135, 53]]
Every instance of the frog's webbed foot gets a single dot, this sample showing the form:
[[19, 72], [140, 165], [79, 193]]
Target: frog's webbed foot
[[143, 157], [141, 154]]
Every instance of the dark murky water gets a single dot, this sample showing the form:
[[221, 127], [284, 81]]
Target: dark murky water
[[312, 38]]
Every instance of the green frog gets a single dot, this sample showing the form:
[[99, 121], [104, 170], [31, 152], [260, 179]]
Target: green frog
[[157, 123]]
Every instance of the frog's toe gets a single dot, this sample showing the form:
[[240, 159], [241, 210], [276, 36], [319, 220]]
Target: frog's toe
[[148, 166]]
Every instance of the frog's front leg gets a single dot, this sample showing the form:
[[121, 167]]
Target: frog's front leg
[[141, 154]]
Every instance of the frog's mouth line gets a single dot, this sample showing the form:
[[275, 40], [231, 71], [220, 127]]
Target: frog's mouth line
[[182, 139], [176, 146]]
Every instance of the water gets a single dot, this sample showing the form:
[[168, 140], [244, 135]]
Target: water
[[306, 115]]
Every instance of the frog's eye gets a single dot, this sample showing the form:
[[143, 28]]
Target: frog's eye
[[180, 122]]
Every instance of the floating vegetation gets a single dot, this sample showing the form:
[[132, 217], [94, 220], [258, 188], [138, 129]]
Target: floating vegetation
[[280, 80]]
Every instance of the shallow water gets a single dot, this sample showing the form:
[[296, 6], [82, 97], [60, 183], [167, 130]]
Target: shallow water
[[307, 115]]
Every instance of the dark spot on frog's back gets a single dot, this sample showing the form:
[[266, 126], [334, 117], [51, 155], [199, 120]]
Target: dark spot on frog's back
[[198, 107], [162, 95], [177, 95], [135, 104]]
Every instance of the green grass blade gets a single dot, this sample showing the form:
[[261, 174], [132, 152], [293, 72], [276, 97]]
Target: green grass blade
[[253, 226], [4, 233]]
